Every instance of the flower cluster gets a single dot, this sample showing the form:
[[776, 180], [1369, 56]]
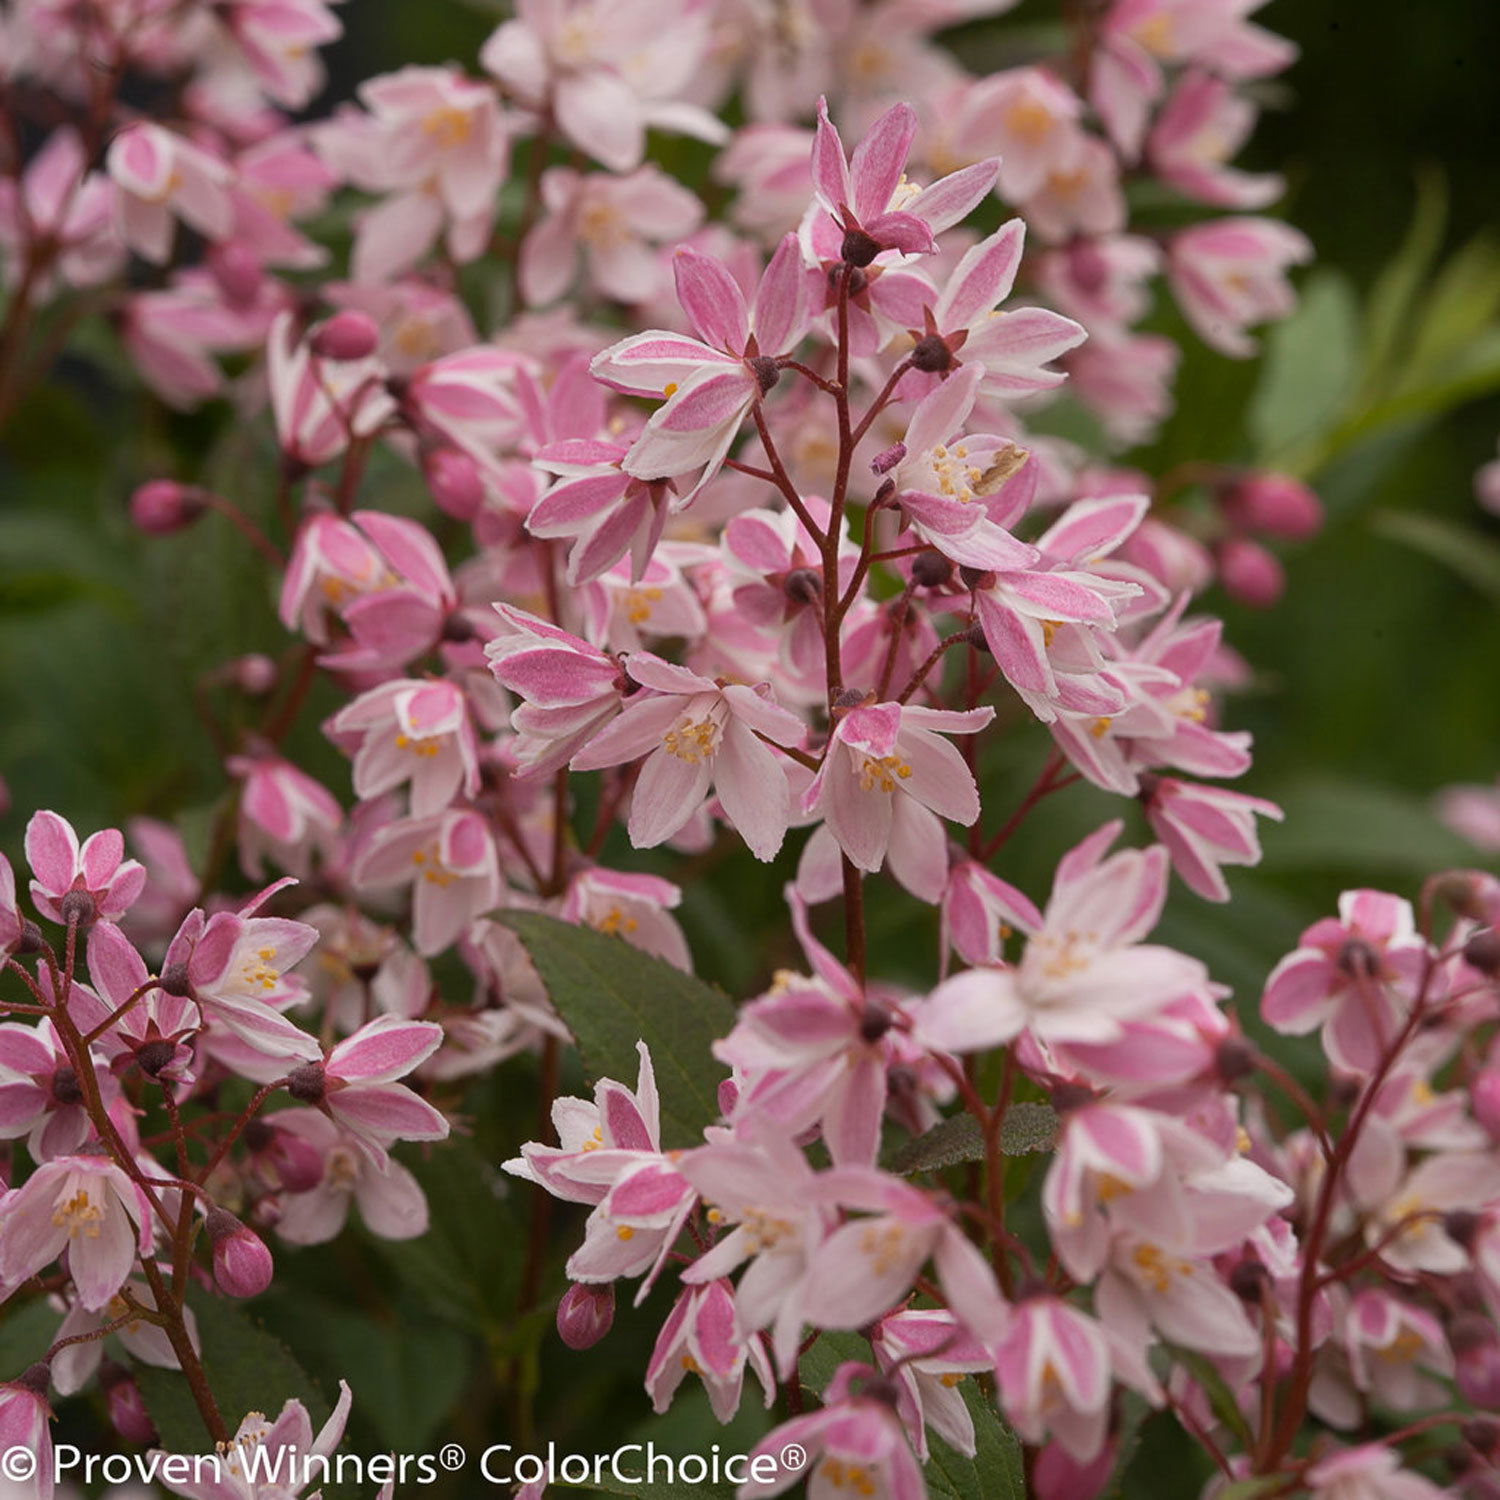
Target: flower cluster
[[755, 530]]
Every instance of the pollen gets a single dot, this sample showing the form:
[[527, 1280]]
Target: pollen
[[882, 1246], [595, 1141], [669, 389], [692, 740], [951, 1378], [615, 923], [855, 1476], [763, 1231], [79, 1215], [638, 604], [624, 1232], [1029, 120], [882, 774], [1100, 727], [448, 126], [1156, 1268]]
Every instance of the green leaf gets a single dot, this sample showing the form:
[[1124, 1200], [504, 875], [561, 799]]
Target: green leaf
[[1216, 1388], [1029, 1126], [1475, 558], [613, 995], [247, 1368], [26, 1334], [1465, 296], [1308, 370], [1339, 824], [466, 1267], [1393, 298]]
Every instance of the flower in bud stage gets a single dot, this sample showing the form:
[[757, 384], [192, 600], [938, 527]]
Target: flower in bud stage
[[1249, 573], [1484, 1099], [585, 1315], [1275, 504], [349, 334], [455, 483], [162, 506], [242, 1264], [126, 1407]]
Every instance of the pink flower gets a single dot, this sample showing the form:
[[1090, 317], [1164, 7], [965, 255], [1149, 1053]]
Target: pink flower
[[451, 861], [434, 143], [356, 1087], [1203, 828], [1201, 126], [1230, 273], [887, 773], [85, 885], [766, 1193], [288, 1444], [606, 69], [858, 1440], [1371, 1472], [868, 199], [58, 198], [927, 1353], [283, 813], [234, 966], [702, 1335], [40, 1095], [156, 173], [82, 1204], [280, 39], [153, 1028], [389, 1199], [12, 924], [697, 734], [26, 1427], [980, 911], [1053, 1368], [1084, 971], [613, 222], [965, 325], [631, 905], [1473, 813], [1032, 120], [1354, 976], [711, 382], [74, 1366], [409, 730], [865, 1267], [321, 405], [571, 690]]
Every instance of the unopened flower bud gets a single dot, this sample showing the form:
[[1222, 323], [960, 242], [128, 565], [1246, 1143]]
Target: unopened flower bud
[[888, 458], [1057, 1475], [236, 272], [585, 1315], [1275, 504], [162, 506], [1476, 1359], [242, 1264], [346, 335], [1249, 573], [454, 481], [125, 1406]]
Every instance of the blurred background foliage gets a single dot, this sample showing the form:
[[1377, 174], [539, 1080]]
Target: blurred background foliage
[[1375, 679]]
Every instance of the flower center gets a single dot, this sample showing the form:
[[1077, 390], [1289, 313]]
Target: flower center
[[692, 740], [258, 971], [448, 126], [78, 1215], [882, 774]]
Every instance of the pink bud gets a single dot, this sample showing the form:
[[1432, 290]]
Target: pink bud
[[347, 335], [1276, 504], [242, 1264], [1249, 573], [1485, 1097], [1476, 1356], [254, 674], [585, 1314], [455, 482], [161, 506], [1059, 1476], [125, 1406], [296, 1164], [888, 458], [236, 272]]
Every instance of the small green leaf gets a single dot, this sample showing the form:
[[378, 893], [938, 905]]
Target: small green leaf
[[247, 1369], [612, 995], [1308, 369], [26, 1334], [1475, 558], [1029, 1126], [1393, 298]]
